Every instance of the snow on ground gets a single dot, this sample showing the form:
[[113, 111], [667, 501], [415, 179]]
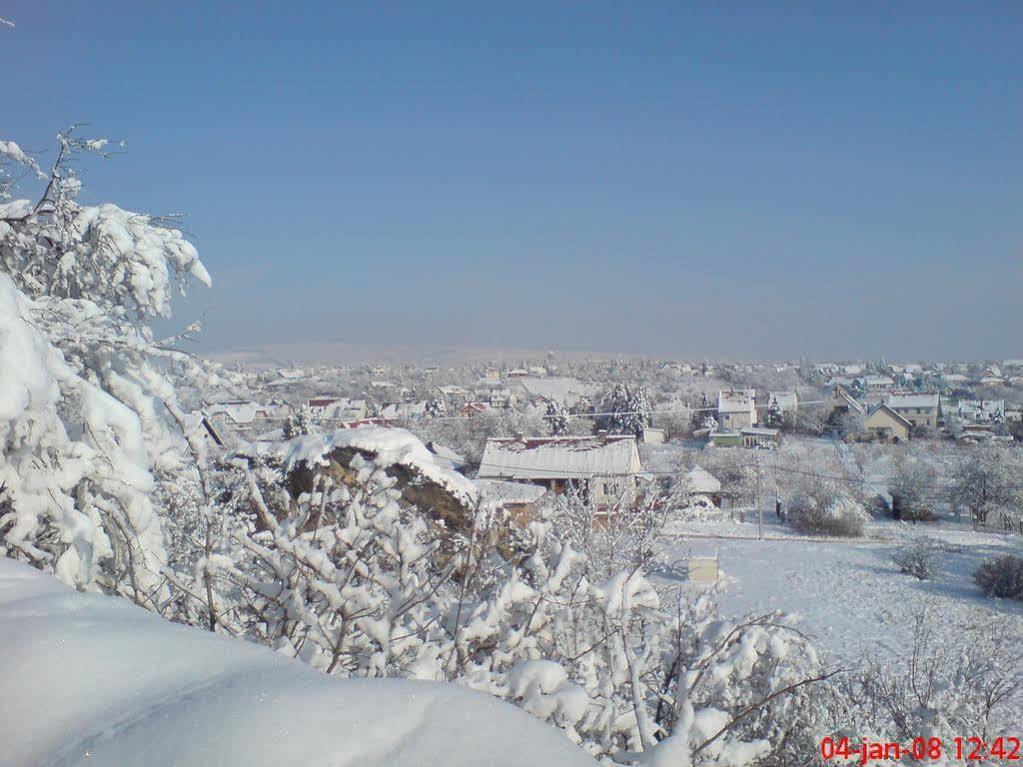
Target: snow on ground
[[94, 680], [849, 593]]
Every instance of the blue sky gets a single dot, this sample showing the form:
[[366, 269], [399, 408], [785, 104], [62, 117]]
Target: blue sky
[[722, 179]]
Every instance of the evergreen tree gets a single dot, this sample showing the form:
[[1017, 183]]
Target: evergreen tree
[[557, 421], [626, 409], [299, 423]]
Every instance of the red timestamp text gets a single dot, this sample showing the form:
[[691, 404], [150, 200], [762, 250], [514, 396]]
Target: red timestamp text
[[865, 751]]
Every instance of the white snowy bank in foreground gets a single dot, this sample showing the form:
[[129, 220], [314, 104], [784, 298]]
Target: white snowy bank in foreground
[[89, 679]]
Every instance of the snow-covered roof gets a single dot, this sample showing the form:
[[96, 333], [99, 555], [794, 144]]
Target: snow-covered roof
[[901, 401], [890, 412], [502, 492], [93, 679], [560, 457], [736, 401], [399, 410], [239, 411], [562, 389], [446, 456], [700, 480]]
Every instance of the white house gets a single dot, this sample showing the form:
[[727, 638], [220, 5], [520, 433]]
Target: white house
[[737, 409], [981, 410], [404, 411], [604, 468]]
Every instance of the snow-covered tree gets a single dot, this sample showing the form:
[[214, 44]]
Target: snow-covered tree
[[92, 421], [774, 419], [555, 418], [625, 409], [986, 480], [299, 422]]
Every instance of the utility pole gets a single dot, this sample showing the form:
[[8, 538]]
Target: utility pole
[[760, 508]]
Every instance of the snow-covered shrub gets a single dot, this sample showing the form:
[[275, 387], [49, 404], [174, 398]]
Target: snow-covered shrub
[[958, 674], [620, 535], [826, 509], [916, 557], [91, 418], [356, 583], [1001, 577]]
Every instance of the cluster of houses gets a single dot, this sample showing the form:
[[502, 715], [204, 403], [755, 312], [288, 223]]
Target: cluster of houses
[[897, 415], [943, 377]]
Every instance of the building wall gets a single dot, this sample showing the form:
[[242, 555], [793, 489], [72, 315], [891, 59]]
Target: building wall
[[735, 421], [919, 416], [880, 424]]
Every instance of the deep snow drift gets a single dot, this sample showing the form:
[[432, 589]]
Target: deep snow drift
[[94, 680]]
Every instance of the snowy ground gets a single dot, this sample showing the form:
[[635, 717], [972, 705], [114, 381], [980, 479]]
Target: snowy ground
[[848, 592], [94, 680]]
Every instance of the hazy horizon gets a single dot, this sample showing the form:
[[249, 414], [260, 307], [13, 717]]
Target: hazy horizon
[[672, 180]]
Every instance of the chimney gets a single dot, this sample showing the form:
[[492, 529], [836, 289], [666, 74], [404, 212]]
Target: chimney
[[519, 437], [603, 436]]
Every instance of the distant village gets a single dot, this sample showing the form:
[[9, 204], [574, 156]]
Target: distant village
[[610, 428]]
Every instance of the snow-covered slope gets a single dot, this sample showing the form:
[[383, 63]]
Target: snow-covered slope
[[94, 680]]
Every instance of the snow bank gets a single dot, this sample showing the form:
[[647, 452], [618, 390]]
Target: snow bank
[[94, 680]]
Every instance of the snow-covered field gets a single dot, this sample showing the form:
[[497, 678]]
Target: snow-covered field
[[849, 593], [94, 680]]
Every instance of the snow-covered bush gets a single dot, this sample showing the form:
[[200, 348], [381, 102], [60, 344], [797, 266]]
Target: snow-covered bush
[[91, 420], [826, 509], [356, 583], [619, 535], [916, 557], [1001, 577], [958, 674]]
